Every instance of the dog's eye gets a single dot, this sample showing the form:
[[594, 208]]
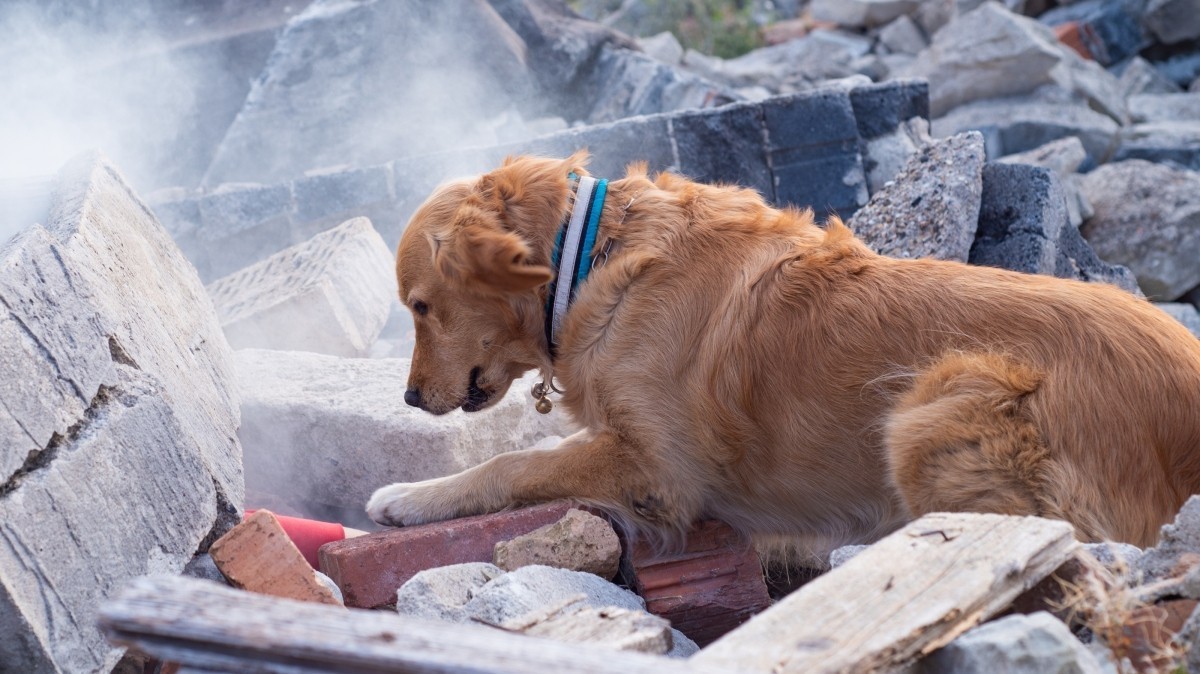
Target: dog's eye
[[420, 308]]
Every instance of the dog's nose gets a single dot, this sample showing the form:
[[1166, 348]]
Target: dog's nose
[[413, 397]]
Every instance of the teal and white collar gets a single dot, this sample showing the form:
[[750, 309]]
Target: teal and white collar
[[572, 256]]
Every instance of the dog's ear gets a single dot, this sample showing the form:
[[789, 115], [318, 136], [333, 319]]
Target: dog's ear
[[476, 252]]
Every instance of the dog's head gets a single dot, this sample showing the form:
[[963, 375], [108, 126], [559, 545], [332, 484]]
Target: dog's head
[[472, 266]]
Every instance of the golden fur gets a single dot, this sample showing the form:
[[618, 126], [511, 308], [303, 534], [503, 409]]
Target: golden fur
[[734, 360]]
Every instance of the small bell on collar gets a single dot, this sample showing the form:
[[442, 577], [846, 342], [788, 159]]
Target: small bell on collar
[[541, 394]]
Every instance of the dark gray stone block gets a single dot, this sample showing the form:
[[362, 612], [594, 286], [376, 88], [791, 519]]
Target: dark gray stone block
[[880, 108], [1114, 29], [1175, 143], [724, 146], [342, 193], [1024, 226], [813, 146]]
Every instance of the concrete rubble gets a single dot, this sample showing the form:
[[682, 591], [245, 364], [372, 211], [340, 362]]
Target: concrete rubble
[[1058, 138]]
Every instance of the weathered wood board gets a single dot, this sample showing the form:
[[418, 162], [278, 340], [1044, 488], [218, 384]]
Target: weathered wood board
[[205, 626], [903, 597]]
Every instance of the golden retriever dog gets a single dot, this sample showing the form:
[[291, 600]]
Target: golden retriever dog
[[732, 360]]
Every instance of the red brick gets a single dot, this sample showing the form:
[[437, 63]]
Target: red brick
[[369, 569], [712, 586], [1072, 35], [258, 556]]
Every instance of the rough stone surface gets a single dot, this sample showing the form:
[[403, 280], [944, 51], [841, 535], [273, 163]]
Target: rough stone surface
[[1015, 125], [1162, 142], [1088, 82], [1164, 107], [1147, 217], [331, 294], [1173, 21], [1114, 555], [616, 628], [1178, 548], [1063, 156], [861, 13], [330, 430], [844, 554], [370, 568], [1113, 30], [1184, 313], [986, 53], [903, 36], [258, 556], [1140, 77], [884, 157], [1024, 226], [1017, 644], [580, 541], [442, 593], [931, 209], [530, 588], [663, 46], [117, 419]]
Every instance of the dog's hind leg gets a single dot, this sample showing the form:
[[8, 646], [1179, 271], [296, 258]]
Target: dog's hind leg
[[596, 468], [961, 439]]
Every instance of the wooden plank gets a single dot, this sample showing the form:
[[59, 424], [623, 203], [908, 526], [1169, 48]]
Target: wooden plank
[[905, 596], [205, 626]]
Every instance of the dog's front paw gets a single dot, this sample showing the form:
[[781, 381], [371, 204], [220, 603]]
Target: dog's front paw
[[406, 503]]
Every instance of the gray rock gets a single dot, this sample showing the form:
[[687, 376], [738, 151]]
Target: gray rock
[[663, 47], [1171, 107], [986, 53], [1140, 77], [931, 209], [531, 588], [860, 13], [1016, 644], [363, 83], [117, 421], [1024, 226], [844, 554], [1173, 21], [1113, 555], [1162, 142], [442, 593], [1184, 313], [903, 36], [1147, 217], [331, 294], [616, 628], [884, 157], [881, 109], [1015, 125], [1063, 156], [330, 585], [1189, 637], [327, 430], [203, 566], [1089, 83], [1114, 28], [1178, 548], [795, 65]]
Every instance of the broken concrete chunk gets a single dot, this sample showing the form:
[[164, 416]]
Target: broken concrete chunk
[[1141, 77], [441, 593], [258, 556], [580, 541], [574, 620], [861, 13], [1178, 549], [986, 53], [1168, 142], [1147, 217], [1165, 107], [903, 36], [1024, 226], [1016, 644], [330, 294], [931, 209], [326, 430], [1063, 156], [1173, 21], [844, 554], [529, 588], [118, 452]]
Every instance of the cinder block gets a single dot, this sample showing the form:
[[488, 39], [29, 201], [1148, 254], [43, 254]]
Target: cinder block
[[369, 569], [880, 108], [724, 145], [331, 294], [712, 586], [258, 556], [342, 193], [813, 146]]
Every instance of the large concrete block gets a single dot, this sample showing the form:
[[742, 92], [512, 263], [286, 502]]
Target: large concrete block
[[813, 147], [1162, 142], [724, 146], [331, 294], [1024, 226], [118, 452], [330, 431]]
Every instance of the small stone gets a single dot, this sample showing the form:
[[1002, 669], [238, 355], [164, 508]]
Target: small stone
[[1114, 555], [664, 47], [1178, 548], [1140, 77], [931, 209], [844, 554], [580, 541], [442, 593], [1016, 644], [617, 628], [1173, 21], [903, 36], [1063, 156]]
